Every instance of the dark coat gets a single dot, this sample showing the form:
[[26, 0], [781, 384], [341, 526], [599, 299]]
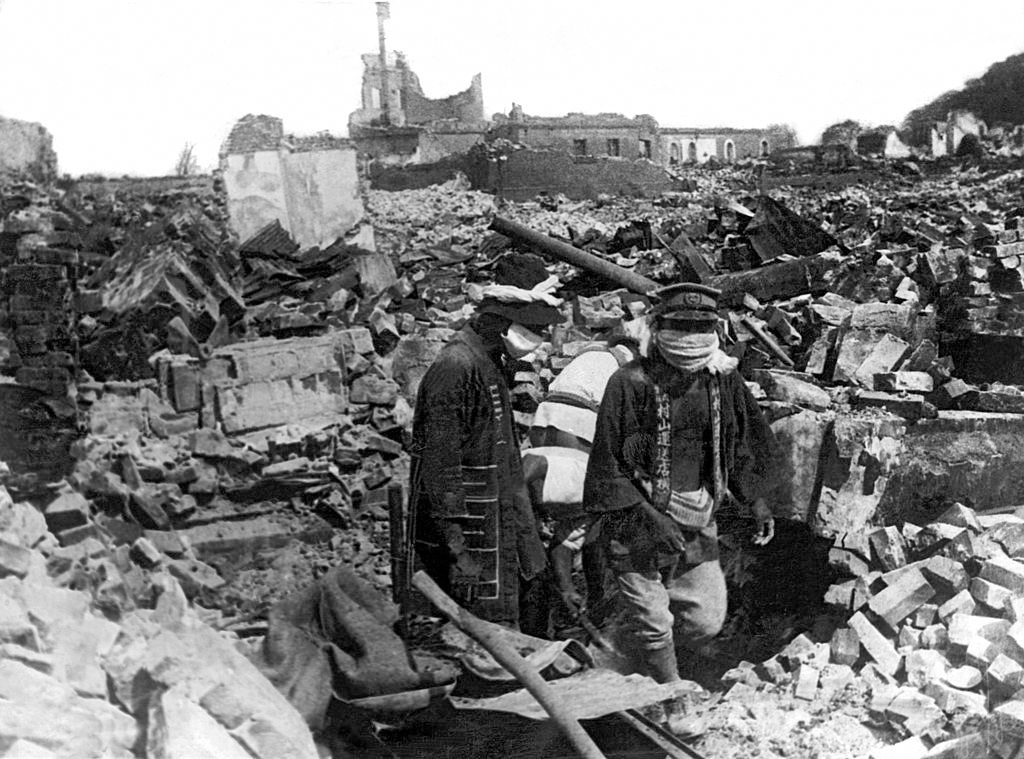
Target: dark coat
[[466, 467], [625, 441]]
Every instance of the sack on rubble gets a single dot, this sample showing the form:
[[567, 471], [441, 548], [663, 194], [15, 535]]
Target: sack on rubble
[[336, 639]]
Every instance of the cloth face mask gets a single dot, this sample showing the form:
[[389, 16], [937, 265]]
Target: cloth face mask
[[519, 341]]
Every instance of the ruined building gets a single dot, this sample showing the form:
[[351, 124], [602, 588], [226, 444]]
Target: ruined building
[[603, 134], [26, 149], [722, 144], [616, 136], [406, 126], [308, 184]]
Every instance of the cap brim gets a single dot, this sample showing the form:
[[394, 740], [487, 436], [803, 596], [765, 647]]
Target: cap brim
[[688, 316]]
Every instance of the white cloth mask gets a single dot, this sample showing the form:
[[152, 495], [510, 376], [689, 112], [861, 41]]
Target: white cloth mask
[[519, 341]]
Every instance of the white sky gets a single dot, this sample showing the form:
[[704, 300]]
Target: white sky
[[123, 84]]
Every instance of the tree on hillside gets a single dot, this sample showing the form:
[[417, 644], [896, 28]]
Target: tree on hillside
[[997, 96], [842, 133], [187, 165], [916, 127], [783, 136]]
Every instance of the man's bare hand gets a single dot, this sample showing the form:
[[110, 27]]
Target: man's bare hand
[[765, 522], [573, 602]]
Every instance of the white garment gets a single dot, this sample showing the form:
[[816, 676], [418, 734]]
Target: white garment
[[576, 421], [567, 468], [586, 375]]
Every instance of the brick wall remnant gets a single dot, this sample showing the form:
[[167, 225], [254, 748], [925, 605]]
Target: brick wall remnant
[[26, 150]]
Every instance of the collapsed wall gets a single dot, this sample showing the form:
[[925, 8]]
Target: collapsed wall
[[26, 150]]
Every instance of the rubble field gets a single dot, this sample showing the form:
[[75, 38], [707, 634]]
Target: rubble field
[[197, 427]]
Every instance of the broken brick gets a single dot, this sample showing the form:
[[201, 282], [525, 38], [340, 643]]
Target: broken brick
[[1005, 674], [1004, 571], [964, 677], [935, 636], [845, 646], [923, 666], [902, 599], [876, 644], [66, 511], [887, 544], [806, 682], [962, 603], [1009, 718], [904, 382], [988, 593], [918, 713], [959, 515], [963, 628], [926, 615], [947, 576], [14, 559], [910, 407]]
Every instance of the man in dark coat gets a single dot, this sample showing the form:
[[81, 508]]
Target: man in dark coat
[[676, 431], [470, 515]]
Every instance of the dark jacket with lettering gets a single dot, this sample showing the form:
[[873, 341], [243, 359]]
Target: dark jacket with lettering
[[466, 467], [625, 441]]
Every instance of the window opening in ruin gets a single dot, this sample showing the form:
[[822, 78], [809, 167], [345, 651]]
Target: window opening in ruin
[[730, 151], [673, 153], [579, 147], [645, 148], [374, 97], [691, 153], [764, 148], [613, 146]]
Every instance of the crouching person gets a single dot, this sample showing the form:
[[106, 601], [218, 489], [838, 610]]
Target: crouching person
[[675, 432], [555, 467]]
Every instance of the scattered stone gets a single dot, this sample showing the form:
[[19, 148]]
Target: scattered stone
[[901, 599], [959, 515], [67, 511], [935, 636], [181, 729], [145, 554], [14, 559], [947, 576], [962, 603], [806, 682], [1004, 571], [878, 648], [988, 593], [925, 615], [904, 382], [845, 646], [917, 712], [887, 544], [964, 677], [923, 666], [911, 748], [1005, 674]]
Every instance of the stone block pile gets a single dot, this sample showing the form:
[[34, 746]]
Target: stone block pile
[[933, 629], [82, 677]]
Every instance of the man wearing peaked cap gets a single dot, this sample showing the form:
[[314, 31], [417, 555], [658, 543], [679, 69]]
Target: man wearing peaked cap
[[677, 431], [471, 521]]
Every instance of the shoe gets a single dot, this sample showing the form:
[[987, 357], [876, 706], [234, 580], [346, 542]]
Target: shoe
[[662, 665]]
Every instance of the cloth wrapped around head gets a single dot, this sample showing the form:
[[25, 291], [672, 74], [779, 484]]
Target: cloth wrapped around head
[[685, 335], [523, 292]]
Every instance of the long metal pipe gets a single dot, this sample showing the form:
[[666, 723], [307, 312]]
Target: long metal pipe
[[573, 255]]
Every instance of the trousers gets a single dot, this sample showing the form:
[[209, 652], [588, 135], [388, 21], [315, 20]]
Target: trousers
[[666, 601]]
